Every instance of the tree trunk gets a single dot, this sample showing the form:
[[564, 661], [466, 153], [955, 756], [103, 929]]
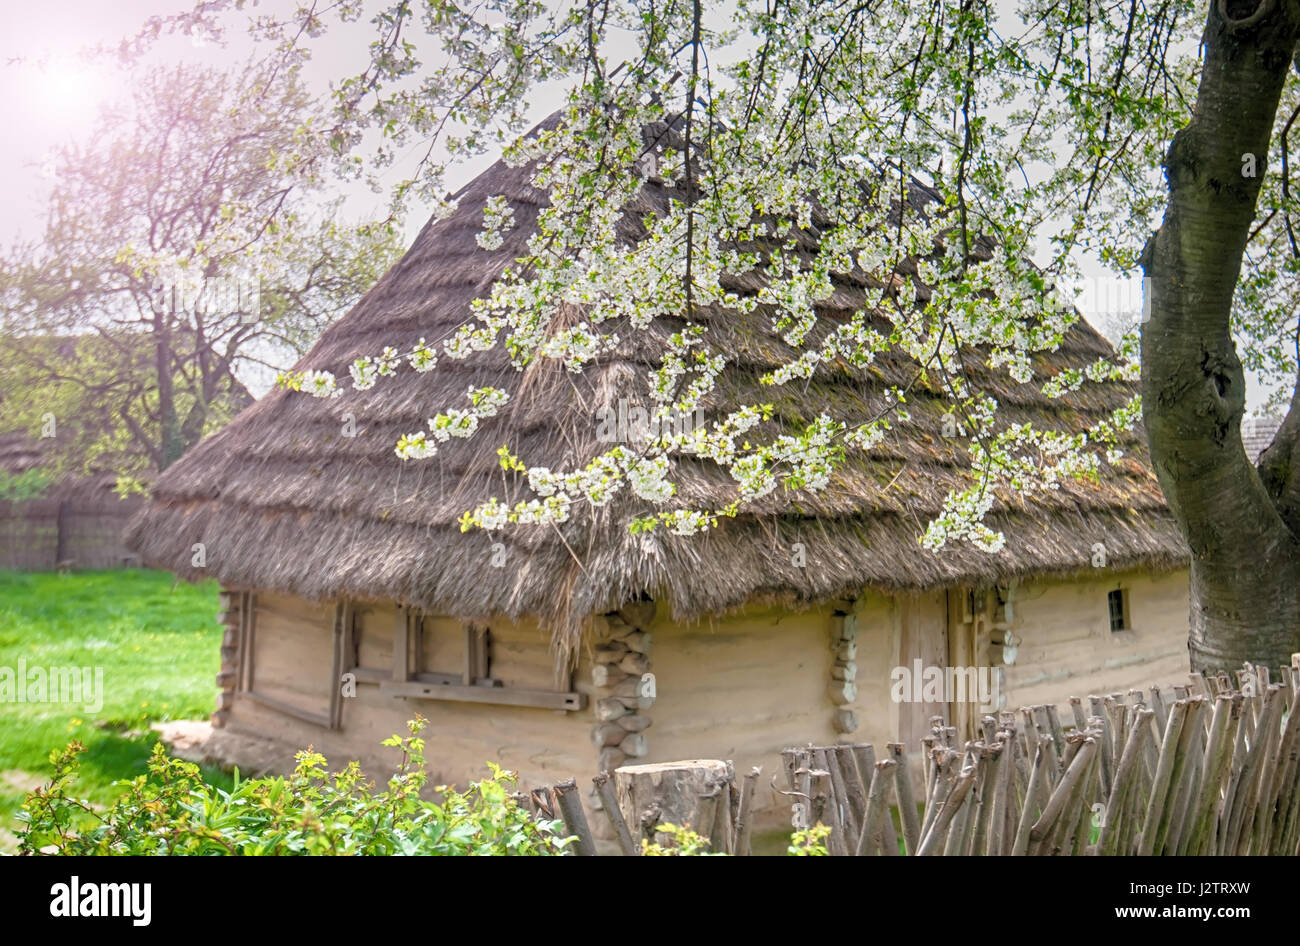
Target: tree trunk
[[171, 441], [669, 793], [1245, 574]]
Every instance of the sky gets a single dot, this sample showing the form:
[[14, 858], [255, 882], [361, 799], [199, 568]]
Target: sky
[[49, 95]]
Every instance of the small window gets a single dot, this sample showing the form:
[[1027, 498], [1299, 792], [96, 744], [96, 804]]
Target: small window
[[1117, 601]]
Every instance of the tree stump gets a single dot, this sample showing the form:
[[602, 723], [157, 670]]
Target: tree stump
[[668, 793]]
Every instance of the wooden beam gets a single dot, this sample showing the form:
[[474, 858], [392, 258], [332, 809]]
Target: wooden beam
[[402, 646], [336, 669], [375, 675], [471, 659], [250, 604], [241, 653], [503, 696], [482, 643], [415, 634], [289, 709], [349, 642]]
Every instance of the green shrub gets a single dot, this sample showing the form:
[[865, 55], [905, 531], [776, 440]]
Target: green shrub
[[682, 842], [810, 842], [172, 811], [18, 487]]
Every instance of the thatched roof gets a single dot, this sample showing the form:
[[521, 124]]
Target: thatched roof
[[283, 501], [19, 452]]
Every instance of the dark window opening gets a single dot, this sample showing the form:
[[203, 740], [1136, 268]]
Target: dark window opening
[[1118, 604]]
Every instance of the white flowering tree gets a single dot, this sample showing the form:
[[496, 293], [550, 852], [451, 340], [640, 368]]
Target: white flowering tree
[[1040, 125]]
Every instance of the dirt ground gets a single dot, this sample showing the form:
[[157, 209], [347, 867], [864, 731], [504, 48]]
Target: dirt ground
[[197, 741]]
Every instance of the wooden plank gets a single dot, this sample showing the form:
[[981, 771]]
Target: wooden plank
[[242, 657], [350, 640], [481, 644], [471, 664], [504, 696], [252, 639], [296, 625], [402, 646], [289, 709], [295, 613], [372, 674], [375, 675], [923, 635], [336, 668], [415, 638], [292, 662], [373, 629], [962, 651]]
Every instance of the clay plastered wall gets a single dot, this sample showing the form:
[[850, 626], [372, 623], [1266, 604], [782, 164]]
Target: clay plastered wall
[[742, 687], [543, 745], [1068, 649], [878, 654]]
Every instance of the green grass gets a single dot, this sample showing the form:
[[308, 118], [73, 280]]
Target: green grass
[[158, 643]]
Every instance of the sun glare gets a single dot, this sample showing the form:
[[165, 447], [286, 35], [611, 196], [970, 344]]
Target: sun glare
[[68, 91]]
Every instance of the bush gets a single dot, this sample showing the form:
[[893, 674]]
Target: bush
[[681, 842], [811, 842], [172, 811], [19, 487]]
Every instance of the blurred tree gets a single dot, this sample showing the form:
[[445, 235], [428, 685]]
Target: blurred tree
[[189, 242]]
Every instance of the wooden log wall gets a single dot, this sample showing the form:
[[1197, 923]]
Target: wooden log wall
[[843, 688], [624, 691], [624, 685], [233, 617]]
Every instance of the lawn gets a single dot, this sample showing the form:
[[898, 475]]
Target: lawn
[[157, 642]]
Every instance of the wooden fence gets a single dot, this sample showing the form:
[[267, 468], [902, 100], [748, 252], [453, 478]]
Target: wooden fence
[[39, 534], [1210, 768]]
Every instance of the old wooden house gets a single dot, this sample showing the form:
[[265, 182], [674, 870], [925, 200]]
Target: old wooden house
[[353, 600]]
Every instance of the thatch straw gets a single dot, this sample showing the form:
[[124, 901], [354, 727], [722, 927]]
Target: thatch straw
[[283, 501]]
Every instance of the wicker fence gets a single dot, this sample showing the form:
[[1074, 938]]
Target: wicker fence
[[1211, 768], [40, 534]]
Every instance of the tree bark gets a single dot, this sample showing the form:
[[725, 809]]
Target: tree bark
[[171, 441], [1245, 569]]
